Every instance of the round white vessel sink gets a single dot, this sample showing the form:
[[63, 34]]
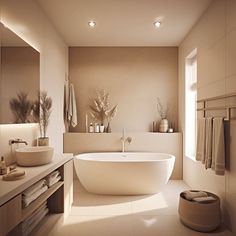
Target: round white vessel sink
[[34, 156]]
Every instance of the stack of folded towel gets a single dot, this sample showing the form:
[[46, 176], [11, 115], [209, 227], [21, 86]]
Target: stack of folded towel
[[53, 178], [33, 220], [198, 196], [33, 192]]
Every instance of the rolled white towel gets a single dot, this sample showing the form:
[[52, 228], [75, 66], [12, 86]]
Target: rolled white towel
[[53, 175], [204, 199], [53, 178], [26, 200], [189, 195], [53, 181], [34, 188]]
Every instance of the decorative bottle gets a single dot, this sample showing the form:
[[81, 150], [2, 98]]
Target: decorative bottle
[[91, 128]]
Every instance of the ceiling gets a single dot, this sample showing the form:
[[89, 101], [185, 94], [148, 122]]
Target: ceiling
[[124, 22]]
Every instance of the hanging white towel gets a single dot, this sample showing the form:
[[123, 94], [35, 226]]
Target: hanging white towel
[[208, 148], [218, 146], [200, 154], [72, 111], [66, 104]]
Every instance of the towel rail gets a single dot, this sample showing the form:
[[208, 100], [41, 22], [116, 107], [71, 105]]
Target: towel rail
[[217, 97], [227, 108]]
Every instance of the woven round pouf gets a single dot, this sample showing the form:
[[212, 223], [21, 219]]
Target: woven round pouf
[[200, 216]]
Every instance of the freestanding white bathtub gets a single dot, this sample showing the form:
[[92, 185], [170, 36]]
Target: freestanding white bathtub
[[130, 173]]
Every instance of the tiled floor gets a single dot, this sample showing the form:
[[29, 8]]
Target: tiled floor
[[148, 215]]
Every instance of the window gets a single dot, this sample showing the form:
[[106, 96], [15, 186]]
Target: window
[[190, 104]]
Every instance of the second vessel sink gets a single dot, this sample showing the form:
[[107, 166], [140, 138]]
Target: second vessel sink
[[34, 156]]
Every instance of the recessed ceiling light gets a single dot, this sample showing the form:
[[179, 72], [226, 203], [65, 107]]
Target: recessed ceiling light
[[157, 24], [92, 24]]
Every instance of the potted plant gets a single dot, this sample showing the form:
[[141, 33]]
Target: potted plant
[[101, 110], [163, 127], [21, 108], [43, 109]]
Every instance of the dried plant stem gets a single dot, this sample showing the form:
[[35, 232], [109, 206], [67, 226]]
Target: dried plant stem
[[161, 110], [21, 108], [100, 107], [45, 104]]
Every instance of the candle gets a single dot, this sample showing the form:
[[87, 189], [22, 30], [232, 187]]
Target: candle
[[86, 123], [153, 126]]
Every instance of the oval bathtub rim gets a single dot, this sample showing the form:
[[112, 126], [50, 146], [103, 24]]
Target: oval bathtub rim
[[168, 157]]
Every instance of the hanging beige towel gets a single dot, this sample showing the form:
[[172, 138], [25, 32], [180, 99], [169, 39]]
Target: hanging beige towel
[[208, 148], [200, 156], [218, 146], [72, 111]]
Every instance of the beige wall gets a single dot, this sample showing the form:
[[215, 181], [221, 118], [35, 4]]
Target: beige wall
[[26, 19], [141, 142], [214, 36], [134, 77]]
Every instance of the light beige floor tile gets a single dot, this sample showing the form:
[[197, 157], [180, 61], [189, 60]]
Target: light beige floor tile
[[90, 204], [146, 215], [167, 226], [164, 203], [153, 205], [95, 226], [176, 186], [50, 224]]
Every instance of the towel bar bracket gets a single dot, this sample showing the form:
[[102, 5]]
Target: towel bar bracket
[[227, 118], [227, 108], [204, 107]]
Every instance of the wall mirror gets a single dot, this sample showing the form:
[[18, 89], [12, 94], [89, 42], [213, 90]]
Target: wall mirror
[[19, 79]]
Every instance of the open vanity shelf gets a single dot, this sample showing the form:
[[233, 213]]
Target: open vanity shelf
[[58, 197], [26, 212]]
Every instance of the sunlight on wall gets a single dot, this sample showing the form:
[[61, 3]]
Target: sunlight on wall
[[190, 104]]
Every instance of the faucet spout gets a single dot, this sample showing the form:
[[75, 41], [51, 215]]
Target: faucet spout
[[12, 141], [122, 139], [123, 146]]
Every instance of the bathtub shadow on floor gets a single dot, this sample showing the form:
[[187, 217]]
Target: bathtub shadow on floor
[[83, 198]]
